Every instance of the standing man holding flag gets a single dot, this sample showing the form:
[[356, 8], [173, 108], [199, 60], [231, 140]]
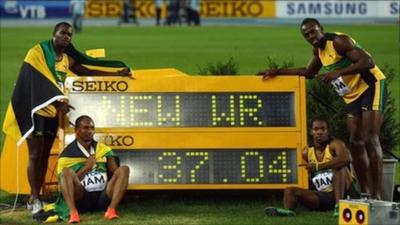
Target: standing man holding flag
[[38, 99]]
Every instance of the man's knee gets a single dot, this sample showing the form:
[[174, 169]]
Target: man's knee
[[123, 171], [67, 173], [357, 145], [290, 192], [339, 171], [339, 174], [35, 157], [372, 139]]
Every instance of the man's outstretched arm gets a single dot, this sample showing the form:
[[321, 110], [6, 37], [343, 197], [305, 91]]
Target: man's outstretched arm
[[341, 156], [309, 72], [83, 71], [360, 59]]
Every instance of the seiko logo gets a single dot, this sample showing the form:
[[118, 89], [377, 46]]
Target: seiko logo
[[115, 86], [231, 8], [117, 140], [209, 8]]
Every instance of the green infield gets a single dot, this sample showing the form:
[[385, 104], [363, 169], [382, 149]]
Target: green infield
[[191, 208], [188, 50]]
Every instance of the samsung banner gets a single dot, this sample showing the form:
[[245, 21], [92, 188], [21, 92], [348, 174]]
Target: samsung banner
[[339, 9]]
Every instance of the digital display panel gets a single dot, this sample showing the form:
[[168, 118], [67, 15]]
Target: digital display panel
[[211, 166], [129, 110], [176, 131]]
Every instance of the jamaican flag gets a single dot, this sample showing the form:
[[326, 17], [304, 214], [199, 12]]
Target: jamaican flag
[[72, 157], [37, 86]]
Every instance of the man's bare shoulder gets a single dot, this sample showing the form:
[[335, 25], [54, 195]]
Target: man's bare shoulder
[[337, 145], [336, 141], [343, 43]]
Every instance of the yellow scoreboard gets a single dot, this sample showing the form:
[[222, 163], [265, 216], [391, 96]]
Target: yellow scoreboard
[[177, 131]]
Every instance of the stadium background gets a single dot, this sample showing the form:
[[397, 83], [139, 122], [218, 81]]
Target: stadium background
[[224, 10]]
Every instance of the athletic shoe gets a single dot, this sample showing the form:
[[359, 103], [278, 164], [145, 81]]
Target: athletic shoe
[[29, 204], [74, 218], [34, 206], [275, 211], [110, 214], [336, 211]]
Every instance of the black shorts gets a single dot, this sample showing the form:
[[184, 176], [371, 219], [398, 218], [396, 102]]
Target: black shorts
[[93, 201], [45, 126], [327, 200], [373, 99]]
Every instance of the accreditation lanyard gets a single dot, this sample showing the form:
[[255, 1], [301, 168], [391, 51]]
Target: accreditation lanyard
[[84, 151]]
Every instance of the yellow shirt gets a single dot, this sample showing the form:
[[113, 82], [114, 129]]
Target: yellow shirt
[[322, 179], [61, 68], [312, 158], [355, 84]]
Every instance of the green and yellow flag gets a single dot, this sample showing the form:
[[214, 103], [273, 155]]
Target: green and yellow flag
[[37, 87], [72, 157]]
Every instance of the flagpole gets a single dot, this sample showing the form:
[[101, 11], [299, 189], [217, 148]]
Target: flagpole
[[17, 170]]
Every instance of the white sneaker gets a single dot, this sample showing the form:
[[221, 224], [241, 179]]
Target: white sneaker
[[29, 206], [35, 206]]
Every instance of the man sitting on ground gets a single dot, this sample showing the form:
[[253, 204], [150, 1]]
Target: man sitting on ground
[[83, 167], [328, 162]]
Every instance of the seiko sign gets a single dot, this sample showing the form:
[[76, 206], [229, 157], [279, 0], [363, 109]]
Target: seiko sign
[[208, 8], [109, 86], [117, 140]]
